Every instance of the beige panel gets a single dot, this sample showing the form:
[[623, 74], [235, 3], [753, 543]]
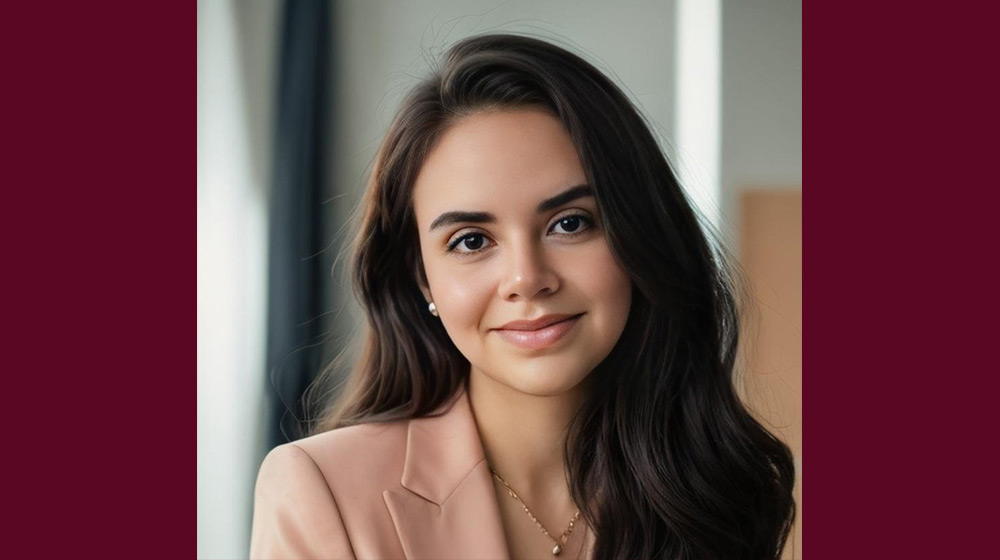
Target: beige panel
[[771, 254]]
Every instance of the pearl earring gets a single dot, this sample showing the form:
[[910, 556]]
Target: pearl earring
[[432, 308]]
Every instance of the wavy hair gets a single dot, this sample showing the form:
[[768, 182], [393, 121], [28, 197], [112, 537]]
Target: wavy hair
[[662, 457]]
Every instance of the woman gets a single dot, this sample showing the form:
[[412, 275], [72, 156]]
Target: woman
[[552, 341]]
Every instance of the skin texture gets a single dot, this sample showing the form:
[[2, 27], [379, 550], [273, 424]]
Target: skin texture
[[524, 265]]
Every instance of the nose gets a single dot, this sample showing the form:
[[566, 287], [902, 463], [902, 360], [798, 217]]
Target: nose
[[527, 273]]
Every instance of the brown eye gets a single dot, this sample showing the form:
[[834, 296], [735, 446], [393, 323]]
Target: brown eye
[[570, 224], [469, 243], [473, 242], [573, 224]]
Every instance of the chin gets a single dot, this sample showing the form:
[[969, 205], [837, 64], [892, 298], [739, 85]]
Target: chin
[[540, 381]]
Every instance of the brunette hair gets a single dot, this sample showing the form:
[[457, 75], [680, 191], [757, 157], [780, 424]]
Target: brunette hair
[[663, 458]]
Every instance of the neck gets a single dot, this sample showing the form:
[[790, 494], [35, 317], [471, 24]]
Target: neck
[[523, 435]]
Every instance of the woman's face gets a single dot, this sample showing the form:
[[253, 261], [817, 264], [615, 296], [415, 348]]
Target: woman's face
[[508, 232]]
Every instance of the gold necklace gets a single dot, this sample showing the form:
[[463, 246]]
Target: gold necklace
[[562, 538]]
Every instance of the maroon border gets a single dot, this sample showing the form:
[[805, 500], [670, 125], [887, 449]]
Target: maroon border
[[99, 224], [99, 105], [898, 395]]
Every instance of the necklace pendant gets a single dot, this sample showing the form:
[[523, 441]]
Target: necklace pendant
[[556, 550]]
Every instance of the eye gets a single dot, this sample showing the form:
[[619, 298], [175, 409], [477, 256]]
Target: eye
[[475, 242], [573, 224], [468, 243]]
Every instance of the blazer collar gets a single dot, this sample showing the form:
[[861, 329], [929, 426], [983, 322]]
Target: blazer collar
[[448, 508], [442, 450]]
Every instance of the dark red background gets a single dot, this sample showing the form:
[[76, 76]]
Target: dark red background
[[99, 279], [99, 270]]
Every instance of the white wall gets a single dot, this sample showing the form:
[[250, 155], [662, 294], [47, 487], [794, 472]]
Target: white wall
[[761, 98], [235, 44]]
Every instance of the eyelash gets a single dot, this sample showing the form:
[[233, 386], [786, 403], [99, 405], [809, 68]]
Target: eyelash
[[586, 220]]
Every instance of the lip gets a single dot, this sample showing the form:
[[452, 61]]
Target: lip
[[546, 331], [535, 324]]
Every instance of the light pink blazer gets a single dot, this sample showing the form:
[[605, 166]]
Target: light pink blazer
[[407, 489]]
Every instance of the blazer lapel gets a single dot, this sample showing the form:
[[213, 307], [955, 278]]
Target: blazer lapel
[[447, 507]]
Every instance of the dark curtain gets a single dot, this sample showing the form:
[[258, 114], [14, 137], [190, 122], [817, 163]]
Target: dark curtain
[[298, 272]]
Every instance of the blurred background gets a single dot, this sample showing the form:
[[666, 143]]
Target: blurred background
[[293, 97]]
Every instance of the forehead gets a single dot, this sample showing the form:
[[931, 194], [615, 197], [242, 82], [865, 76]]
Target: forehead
[[497, 158]]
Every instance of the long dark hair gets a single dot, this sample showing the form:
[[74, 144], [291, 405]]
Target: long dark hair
[[663, 458]]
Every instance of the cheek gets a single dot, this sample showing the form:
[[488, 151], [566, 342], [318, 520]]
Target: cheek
[[619, 286], [458, 297], [460, 293], [609, 284], [603, 273]]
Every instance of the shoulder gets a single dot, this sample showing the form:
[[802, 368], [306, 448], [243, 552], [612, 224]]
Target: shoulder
[[342, 458], [371, 452], [308, 491], [295, 513]]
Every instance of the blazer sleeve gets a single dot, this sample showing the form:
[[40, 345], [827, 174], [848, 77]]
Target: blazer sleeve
[[295, 514]]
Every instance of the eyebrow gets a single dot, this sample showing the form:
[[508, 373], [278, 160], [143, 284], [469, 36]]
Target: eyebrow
[[456, 217]]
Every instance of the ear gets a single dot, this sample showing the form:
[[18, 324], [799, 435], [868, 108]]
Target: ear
[[421, 277]]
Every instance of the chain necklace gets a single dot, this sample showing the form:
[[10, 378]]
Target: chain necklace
[[562, 538]]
